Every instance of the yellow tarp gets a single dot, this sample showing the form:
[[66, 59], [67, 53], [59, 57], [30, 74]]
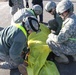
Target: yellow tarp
[[39, 51]]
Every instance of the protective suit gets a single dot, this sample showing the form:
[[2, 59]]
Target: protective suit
[[13, 42], [39, 51]]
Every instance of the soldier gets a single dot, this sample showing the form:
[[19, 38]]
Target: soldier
[[55, 24], [13, 41], [65, 42], [20, 14]]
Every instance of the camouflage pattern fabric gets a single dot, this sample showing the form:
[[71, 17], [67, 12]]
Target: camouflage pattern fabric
[[60, 44]]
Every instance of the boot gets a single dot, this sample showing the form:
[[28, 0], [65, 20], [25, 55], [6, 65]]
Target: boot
[[22, 69], [62, 59], [74, 57]]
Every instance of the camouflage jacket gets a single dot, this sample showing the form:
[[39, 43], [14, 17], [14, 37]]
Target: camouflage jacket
[[68, 31]]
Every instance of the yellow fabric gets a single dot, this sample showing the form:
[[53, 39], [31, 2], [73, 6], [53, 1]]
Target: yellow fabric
[[39, 51], [49, 68]]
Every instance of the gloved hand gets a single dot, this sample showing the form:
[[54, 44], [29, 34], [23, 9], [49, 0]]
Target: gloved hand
[[22, 69], [10, 3], [27, 5]]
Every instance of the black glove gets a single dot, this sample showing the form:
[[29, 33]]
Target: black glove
[[53, 26], [10, 3], [27, 5]]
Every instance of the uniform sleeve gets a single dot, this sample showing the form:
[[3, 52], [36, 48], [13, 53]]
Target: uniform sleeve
[[65, 33], [17, 47]]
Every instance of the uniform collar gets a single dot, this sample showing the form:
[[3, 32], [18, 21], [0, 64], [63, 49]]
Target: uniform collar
[[68, 19]]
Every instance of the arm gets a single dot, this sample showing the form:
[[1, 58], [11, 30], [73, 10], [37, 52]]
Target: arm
[[15, 52], [19, 43], [10, 3], [64, 34]]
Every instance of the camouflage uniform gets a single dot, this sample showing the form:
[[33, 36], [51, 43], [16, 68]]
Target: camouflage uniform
[[61, 43], [17, 4]]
